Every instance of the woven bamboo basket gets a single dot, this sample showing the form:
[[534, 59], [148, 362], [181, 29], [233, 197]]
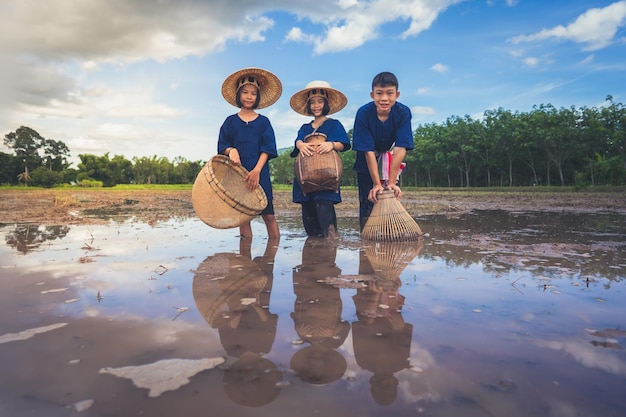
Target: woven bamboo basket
[[318, 172], [220, 196], [389, 221]]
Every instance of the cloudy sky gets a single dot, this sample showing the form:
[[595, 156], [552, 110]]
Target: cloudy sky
[[143, 77]]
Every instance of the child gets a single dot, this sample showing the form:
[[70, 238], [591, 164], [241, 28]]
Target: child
[[378, 126], [247, 137], [319, 99]]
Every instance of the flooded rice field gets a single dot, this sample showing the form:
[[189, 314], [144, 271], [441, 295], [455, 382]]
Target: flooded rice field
[[492, 314]]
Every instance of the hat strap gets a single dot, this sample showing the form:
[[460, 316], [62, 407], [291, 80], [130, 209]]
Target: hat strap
[[247, 79], [317, 92]]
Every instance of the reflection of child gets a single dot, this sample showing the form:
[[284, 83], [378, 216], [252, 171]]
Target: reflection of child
[[319, 99], [378, 126], [247, 137]]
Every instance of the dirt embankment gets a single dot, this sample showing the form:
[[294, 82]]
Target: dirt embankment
[[64, 206]]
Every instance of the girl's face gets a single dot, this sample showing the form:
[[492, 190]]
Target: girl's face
[[317, 105], [248, 96]]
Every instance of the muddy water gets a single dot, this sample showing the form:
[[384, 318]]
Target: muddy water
[[493, 314]]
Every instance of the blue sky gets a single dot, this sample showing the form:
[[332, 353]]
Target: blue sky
[[143, 77]]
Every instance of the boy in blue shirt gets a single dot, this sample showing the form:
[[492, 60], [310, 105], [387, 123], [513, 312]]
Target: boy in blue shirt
[[380, 125]]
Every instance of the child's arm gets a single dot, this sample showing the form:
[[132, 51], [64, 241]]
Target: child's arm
[[372, 167], [398, 156]]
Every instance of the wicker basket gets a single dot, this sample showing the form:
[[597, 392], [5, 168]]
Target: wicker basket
[[389, 221], [318, 172], [221, 198]]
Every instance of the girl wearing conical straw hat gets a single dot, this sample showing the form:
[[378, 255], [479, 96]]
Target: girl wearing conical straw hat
[[247, 137], [319, 99]]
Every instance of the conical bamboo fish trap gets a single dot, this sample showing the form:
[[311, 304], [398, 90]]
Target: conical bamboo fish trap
[[220, 196], [389, 221]]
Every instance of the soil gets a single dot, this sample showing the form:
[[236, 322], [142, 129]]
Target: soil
[[83, 206]]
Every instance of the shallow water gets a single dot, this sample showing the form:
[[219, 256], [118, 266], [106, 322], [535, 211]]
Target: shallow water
[[493, 314]]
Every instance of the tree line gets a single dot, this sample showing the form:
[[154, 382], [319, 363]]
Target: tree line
[[545, 146]]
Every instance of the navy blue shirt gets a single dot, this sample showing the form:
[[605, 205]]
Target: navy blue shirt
[[370, 134], [250, 139]]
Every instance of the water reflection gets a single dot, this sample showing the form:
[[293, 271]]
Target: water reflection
[[317, 315], [381, 337], [232, 292], [496, 316], [28, 236], [554, 245]]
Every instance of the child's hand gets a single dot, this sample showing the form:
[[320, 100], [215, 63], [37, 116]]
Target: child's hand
[[376, 189], [234, 157], [396, 190], [325, 147], [253, 179], [307, 149]]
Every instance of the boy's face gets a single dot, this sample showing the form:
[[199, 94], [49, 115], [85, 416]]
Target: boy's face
[[384, 98]]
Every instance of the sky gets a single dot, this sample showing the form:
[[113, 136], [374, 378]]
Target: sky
[[142, 78]]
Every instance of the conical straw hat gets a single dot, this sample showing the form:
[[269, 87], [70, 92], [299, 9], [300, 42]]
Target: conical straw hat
[[269, 86], [336, 99]]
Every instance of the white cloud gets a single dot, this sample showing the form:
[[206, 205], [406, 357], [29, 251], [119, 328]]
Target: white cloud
[[531, 61], [423, 110], [357, 22], [439, 68], [423, 90], [119, 30], [587, 59], [595, 29]]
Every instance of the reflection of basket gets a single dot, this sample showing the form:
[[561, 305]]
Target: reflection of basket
[[389, 221], [389, 259], [318, 172], [220, 284], [221, 197]]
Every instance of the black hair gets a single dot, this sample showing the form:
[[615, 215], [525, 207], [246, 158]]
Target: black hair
[[385, 79], [325, 110], [238, 97]]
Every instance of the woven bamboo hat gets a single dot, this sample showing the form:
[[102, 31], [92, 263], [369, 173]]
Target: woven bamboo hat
[[336, 99], [268, 84]]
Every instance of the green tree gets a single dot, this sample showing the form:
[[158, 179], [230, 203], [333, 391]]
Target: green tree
[[44, 177], [56, 154]]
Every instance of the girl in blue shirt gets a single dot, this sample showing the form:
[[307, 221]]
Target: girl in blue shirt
[[247, 137], [319, 99]]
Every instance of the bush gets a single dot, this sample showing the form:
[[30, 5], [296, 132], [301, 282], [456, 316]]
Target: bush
[[91, 184]]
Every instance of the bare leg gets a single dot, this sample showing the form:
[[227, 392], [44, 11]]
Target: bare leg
[[245, 230], [271, 225]]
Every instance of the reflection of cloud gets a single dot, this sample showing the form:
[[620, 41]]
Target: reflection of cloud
[[27, 334], [164, 375], [589, 356], [421, 357]]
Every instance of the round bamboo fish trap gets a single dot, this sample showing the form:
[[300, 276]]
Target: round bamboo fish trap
[[389, 221], [220, 196], [318, 172]]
